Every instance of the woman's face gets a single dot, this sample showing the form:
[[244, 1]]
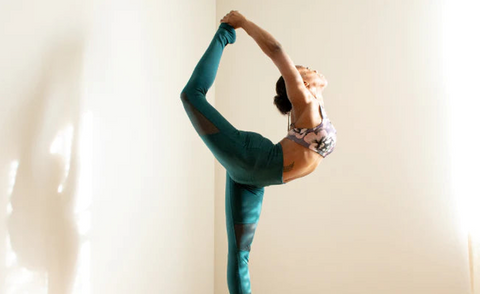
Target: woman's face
[[312, 77]]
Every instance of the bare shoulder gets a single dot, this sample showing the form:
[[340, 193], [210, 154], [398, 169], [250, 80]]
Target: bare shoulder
[[306, 115]]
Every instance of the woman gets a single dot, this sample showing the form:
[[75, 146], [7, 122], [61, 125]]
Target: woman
[[252, 161]]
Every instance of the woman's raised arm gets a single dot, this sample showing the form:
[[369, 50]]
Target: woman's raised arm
[[296, 91], [264, 39]]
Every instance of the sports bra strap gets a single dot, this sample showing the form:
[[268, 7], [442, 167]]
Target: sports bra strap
[[322, 110]]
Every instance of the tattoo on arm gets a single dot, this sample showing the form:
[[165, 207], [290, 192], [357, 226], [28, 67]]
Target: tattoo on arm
[[288, 167]]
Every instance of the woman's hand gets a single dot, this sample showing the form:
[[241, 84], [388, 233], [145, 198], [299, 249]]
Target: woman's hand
[[234, 18]]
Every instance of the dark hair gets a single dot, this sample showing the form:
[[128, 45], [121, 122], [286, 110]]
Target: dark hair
[[281, 99]]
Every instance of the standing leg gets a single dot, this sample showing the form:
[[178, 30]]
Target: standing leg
[[243, 205]]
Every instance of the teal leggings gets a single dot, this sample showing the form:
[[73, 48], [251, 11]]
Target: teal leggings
[[252, 161]]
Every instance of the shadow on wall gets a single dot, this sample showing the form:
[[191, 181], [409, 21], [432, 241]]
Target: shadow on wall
[[44, 133]]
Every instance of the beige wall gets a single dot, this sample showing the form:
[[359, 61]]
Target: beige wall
[[103, 78], [378, 215]]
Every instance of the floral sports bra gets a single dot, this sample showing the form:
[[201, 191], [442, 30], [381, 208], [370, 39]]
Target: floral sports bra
[[321, 139]]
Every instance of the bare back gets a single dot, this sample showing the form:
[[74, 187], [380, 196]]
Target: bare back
[[299, 161]]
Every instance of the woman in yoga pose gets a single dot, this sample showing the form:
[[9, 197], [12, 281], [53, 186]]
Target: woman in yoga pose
[[252, 161]]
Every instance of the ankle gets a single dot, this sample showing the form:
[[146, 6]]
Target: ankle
[[228, 31]]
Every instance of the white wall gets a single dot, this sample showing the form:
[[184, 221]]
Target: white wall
[[378, 215], [102, 79]]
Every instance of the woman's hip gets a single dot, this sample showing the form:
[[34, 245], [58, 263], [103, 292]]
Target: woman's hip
[[261, 161]]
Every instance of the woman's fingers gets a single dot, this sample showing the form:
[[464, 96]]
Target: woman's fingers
[[233, 18]]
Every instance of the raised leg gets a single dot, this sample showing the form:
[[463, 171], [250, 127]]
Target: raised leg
[[205, 118], [248, 157]]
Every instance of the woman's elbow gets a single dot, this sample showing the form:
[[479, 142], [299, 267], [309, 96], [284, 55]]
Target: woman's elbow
[[275, 48]]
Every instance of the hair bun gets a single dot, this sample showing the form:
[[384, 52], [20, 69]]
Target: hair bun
[[281, 99]]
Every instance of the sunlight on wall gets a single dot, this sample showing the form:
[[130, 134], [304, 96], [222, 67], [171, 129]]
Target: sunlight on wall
[[82, 210], [21, 280], [12, 175], [461, 65], [63, 145]]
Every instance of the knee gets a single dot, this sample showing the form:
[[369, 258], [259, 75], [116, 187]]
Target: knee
[[190, 93]]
